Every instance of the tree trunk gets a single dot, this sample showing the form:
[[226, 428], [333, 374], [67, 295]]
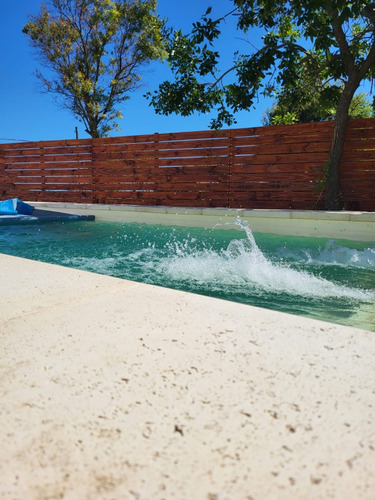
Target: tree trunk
[[92, 128], [337, 146]]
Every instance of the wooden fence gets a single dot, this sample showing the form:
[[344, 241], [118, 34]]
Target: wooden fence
[[265, 167]]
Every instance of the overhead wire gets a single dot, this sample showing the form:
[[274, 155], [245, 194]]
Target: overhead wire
[[15, 140]]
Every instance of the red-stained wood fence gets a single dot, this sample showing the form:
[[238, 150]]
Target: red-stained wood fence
[[266, 167]]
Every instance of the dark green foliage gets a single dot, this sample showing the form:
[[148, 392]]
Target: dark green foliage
[[327, 39]]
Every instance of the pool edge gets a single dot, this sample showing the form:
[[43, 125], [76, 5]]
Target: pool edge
[[355, 226]]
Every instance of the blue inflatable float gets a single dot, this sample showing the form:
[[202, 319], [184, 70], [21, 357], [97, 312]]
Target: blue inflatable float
[[15, 206]]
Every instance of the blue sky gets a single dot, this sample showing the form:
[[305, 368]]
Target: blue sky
[[28, 115]]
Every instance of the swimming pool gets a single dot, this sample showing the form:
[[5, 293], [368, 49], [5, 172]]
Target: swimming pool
[[320, 278]]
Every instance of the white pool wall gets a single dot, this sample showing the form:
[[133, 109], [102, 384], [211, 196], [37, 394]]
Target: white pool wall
[[355, 226]]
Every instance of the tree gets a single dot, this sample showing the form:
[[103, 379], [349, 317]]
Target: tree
[[313, 97], [95, 49], [304, 106], [333, 39]]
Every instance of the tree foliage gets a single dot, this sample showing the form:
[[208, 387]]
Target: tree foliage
[[313, 98], [95, 49], [328, 39], [333, 40], [304, 105]]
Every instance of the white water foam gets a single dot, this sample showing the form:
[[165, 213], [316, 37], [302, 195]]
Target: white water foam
[[244, 263], [343, 256]]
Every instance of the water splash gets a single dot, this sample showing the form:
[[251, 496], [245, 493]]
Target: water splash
[[334, 254], [243, 263]]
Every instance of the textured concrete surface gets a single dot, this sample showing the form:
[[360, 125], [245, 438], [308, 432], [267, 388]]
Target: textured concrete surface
[[117, 390]]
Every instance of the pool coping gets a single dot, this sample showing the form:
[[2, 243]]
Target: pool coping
[[117, 389], [256, 212], [355, 226]]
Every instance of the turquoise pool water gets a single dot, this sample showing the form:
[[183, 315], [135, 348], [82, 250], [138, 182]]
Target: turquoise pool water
[[314, 277]]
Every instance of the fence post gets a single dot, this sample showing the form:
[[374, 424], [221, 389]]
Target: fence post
[[42, 174], [156, 184], [156, 149], [3, 177], [94, 168], [230, 165]]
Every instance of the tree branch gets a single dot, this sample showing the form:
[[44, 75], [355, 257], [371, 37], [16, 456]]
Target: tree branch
[[221, 77], [368, 62], [344, 47]]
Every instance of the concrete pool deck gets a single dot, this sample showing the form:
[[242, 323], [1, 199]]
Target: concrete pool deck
[[113, 389]]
